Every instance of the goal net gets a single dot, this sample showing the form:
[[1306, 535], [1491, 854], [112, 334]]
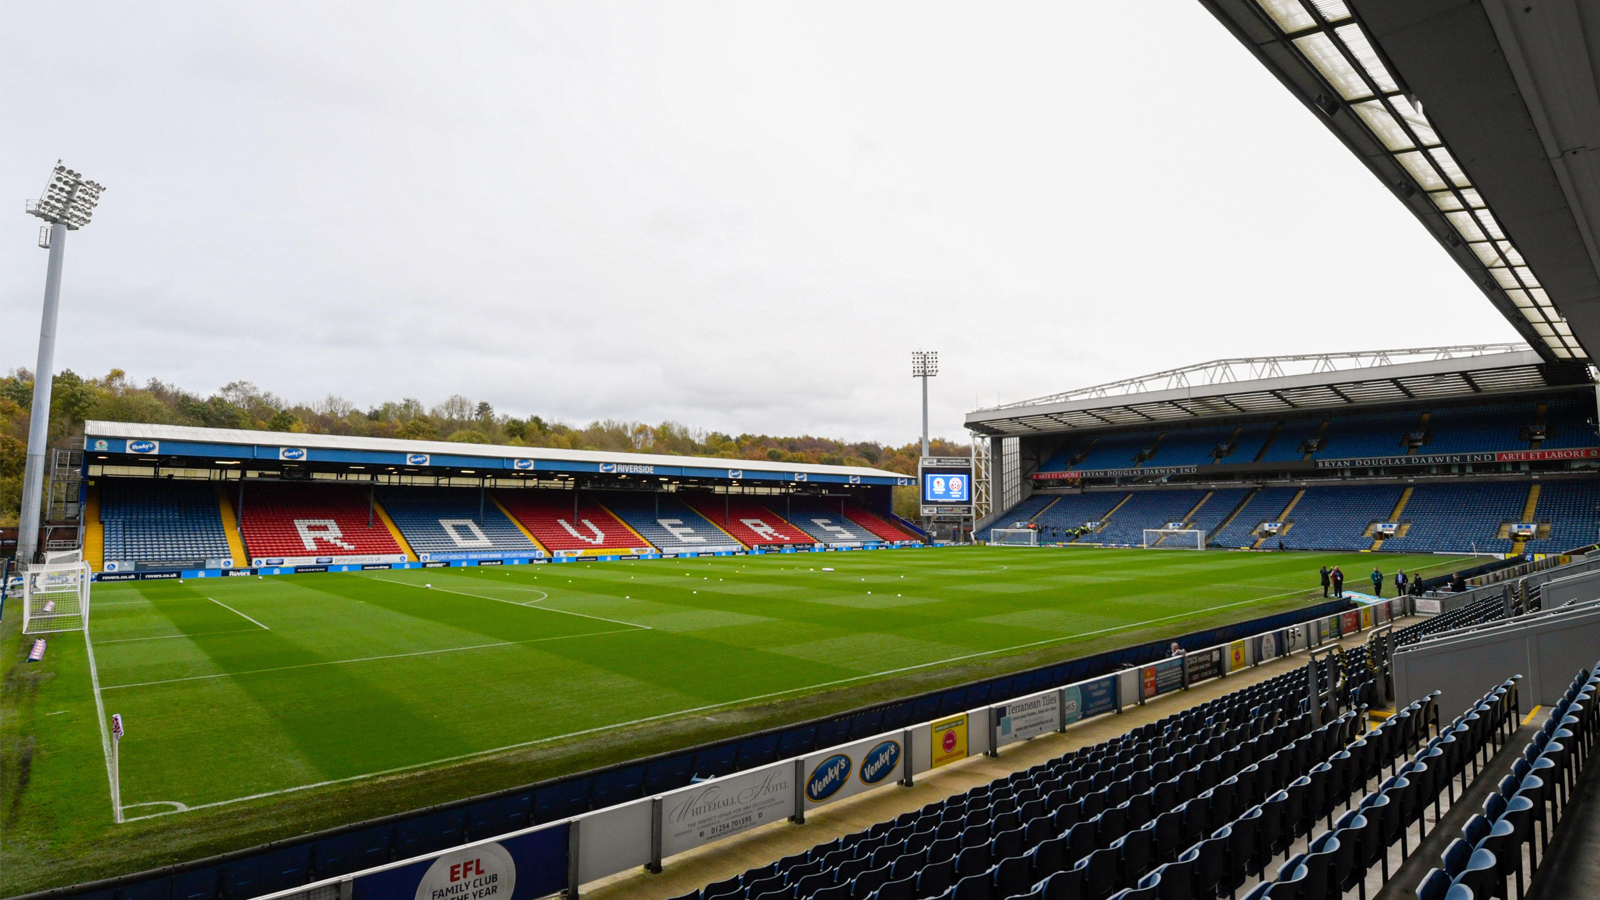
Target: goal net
[[1014, 537], [1174, 539], [55, 597]]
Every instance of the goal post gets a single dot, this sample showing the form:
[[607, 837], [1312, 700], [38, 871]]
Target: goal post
[[1174, 539], [1014, 537], [55, 597]]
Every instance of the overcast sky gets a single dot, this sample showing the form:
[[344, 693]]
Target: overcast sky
[[740, 216]]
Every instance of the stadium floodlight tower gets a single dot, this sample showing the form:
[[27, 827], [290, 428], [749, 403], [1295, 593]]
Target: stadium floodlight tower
[[924, 365], [66, 205]]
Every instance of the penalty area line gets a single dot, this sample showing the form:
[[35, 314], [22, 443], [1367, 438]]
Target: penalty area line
[[565, 612], [236, 612], [684, 712], [345, 662]]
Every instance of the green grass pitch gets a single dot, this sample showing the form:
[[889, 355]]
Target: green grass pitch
[[263, 708]]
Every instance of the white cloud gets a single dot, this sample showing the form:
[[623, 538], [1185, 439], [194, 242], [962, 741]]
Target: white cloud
[[740, 216]]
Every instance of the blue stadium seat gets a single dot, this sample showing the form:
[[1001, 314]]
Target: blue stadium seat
[[1265, 506], [1460, 518], [1336, 518], [454, 521], [668, 522], [162, 522]]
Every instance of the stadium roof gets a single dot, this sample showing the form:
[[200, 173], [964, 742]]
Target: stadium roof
[[238, 445], [1483, 118], [1284, 384]]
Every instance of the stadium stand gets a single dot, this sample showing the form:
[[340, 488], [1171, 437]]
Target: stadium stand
[[882, 528], [1190, 447], [824, 523], [1266, 506], [161, 522], [1459, 518], [668, 523], [1216, 509], [290, 520], [454, 521], [1117, 451], [1569, 422], [753, 524], [1336, 518], [1200, 799], [1073, 510], [1285, 446], [1479, 429], [1144, 509], [1024, 512], [549, 516], [1369, 435], [1572, 510], [1249, 443]]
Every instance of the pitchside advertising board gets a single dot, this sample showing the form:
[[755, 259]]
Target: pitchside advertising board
[[514, 868], [1029, 717], [946, 485], [702, 813], [842, 772]]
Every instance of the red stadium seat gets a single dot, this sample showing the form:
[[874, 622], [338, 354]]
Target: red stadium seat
[[753, 524], [284, 520], [877, 525], [548, 515]]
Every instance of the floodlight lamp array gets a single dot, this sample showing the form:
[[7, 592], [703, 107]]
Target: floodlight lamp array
[[1328, 36], [924, 363], [68, 199]]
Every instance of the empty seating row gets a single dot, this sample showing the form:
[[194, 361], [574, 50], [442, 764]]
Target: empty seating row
[[1080, 825], [1346, 854], [749, 521], [1506, 839], [1144, 509], [667, 523], [827, 524], [569, 522], [1266, 506], [1337, 518], [454, 521], [148, 521], [292, 520], [1460, 518]]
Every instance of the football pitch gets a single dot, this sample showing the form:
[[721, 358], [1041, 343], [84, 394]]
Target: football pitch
[[259, 708]]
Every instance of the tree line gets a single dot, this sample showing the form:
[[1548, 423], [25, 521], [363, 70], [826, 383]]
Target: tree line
[[241, 404]]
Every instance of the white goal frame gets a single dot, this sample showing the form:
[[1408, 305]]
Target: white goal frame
[[1163, 539], [55, 597], [1000, 537]]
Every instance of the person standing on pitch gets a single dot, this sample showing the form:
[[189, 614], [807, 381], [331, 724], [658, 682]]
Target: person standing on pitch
[[1377, 582], [1338, 582], [1416, 583], [1400, 583], [1327, 579]]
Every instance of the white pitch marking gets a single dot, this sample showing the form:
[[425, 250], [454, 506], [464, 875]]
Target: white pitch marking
[[690, 711], [235, 611], [100, 710], [168, 637], [564, 612], [341, 662]]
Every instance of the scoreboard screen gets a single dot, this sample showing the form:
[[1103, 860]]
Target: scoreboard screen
[[946, 487]]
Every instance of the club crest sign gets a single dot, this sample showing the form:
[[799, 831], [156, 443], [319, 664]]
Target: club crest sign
[[478, 873]]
